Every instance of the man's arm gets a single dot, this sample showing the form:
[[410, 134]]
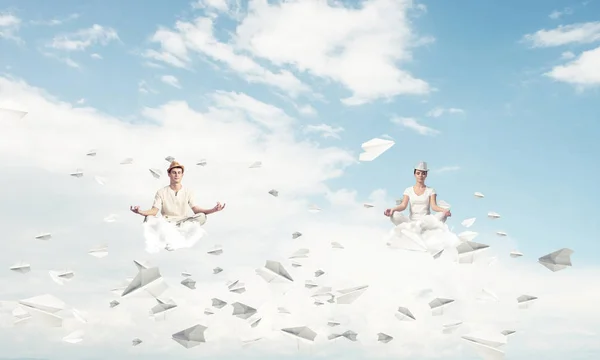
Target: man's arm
[[151, 212]]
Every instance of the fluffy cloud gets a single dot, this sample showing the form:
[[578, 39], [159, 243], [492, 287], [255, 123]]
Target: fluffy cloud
[[84, 38], [325, 130], [582, 71], [362, 52], [198, 37], [235, 130]]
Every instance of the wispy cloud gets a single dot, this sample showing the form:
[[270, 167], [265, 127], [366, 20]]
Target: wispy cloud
[[171, 80], [145, 89], [437, 112], [84, 38], [580, 33], [445, 169], [54, 22], [413, 124], [556, 14], [96, 56], [326, 131], [9, 26]]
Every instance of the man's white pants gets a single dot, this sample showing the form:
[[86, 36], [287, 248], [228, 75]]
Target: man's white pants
[[161, 234]]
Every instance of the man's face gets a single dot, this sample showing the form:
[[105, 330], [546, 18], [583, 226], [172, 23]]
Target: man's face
[[175, 175]]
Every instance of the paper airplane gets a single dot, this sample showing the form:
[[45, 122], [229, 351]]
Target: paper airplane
[[91, 153], [273, 271], [99, 252], [493, 215], [404, 314], [479, 195], [349, 334], [162, 307], [110, 218], [186, 274], [274, 192], [255, 165], [202, 162], [468, 222], [190, 337], [525, 301], [501, 233], [136, 342], [60, 277], [283, 310], [384, 338], [299, 254], [301, 332], [217, 270], [488, 347], [333, 323], [155, 173], [217, 250], [46, 236], [374, 148], [114, 303], [242, 311], [208, 311], [557, 260], [21, 267], [237, 287], [487, 295], [515, 254], [189, 283], [169, 159], [74, 337], [148, 279], [467, 251], [319, 273], [11, 115], [296, 235], [437, 305], [368, 206], [77, 173], [336, 245], [450, 328], [348, 296], [218, 303], [127, 161]]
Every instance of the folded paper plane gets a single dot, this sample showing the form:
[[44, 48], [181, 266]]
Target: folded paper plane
[[301, 332], [273, 271], [190, 337], [373, 148], [557, 260]]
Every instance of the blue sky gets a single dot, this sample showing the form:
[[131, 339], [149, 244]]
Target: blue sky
[[528, 141]]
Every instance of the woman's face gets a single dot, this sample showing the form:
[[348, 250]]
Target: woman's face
[[420, 175]]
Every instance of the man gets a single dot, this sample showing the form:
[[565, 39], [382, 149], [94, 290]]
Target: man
[[174, 200]]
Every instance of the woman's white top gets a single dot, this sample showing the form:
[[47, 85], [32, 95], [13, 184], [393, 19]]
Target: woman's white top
[[419, 204]]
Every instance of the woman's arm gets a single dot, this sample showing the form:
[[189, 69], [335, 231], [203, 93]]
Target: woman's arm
[[403, 205], [433, 203]]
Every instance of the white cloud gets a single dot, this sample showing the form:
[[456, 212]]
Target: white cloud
[[170, 80], [307, 110], [325, 130], [234, 131], [220, 5], [413, 124], [55, 22], [144, 88], [437, 112], [96, 56], [361, 52], [567, 55], [84, 38], [445, 169], [198, 37], [65, 60], [580, 33], [583, 71], [9, 25], [557, 14]]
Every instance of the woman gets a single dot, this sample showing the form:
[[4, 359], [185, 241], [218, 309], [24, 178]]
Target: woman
[[421, 198]]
